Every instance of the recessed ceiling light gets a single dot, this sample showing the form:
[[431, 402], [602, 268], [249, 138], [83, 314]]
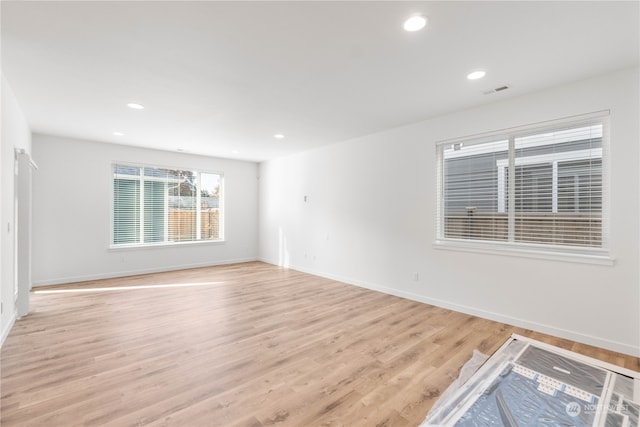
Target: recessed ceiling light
[[415, 23], [118, 133], [180, 150], [476, 75], [278, 136], [235, 152], [135, 106]]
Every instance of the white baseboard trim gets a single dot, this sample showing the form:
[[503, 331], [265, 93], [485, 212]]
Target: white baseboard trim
[[7, 329], [522, 323], [99, 276]]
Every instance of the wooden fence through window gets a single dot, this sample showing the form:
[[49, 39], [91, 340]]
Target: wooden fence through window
[[182, 225], [557, 229]]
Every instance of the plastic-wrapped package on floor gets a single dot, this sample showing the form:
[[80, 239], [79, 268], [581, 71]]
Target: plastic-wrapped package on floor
[[528, 383], [466, 372]]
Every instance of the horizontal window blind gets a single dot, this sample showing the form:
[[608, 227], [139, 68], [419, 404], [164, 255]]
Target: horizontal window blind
[[472, 195], [153, 205], [126, 209], [559, 170], [154, 211], [543, 187]]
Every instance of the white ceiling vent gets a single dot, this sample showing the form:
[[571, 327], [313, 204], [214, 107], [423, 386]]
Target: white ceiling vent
[[498, 89]]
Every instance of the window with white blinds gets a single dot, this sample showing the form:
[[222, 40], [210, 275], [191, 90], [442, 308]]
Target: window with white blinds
[[534, 187], [154, 205]]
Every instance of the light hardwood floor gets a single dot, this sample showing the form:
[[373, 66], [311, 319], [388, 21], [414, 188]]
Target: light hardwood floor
[[240, 345]]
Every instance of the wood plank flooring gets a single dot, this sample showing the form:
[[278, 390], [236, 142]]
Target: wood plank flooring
[[240, 345]]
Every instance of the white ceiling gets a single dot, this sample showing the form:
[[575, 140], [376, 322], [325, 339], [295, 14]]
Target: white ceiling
[[219, 77]]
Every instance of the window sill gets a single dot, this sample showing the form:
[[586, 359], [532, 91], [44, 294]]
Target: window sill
[[165, 245], [526, 251]]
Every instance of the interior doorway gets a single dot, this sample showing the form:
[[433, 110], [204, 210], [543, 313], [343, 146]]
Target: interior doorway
[[22, 236]]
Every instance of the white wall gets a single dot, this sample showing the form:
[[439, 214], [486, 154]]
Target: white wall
[[72, 219], [370, 221], [15, 134]]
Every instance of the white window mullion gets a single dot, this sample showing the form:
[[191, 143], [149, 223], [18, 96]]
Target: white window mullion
[[141, 219], [502, 191], [511, 211], [198, 206], [440, 192], [606, 183], [166, 210], [554, 188]]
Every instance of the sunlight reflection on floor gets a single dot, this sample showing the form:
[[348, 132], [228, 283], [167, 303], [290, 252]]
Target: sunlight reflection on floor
[[124, 288]]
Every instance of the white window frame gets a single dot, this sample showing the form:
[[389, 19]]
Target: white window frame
[[141, 177], [600, 255]]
